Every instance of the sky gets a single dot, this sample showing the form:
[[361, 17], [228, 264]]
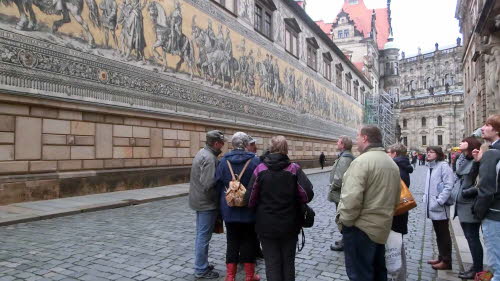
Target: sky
[[415, 24]]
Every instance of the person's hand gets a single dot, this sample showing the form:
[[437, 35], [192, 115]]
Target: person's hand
[[475, 155]]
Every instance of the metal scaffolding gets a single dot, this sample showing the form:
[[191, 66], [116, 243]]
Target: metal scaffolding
[[379, 110]]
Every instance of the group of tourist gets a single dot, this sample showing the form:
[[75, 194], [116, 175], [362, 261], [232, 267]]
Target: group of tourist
[[365, 189]]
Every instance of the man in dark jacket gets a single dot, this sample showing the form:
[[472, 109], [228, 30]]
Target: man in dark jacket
[[400, 223], [322, 159], [487, 206], [240, 221], [203, 199]]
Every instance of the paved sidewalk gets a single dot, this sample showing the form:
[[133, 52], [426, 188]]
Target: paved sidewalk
[[46, 209]]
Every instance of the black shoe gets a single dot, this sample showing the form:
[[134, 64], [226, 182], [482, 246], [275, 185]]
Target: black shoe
[[209, 274], [338, 247], [469, 274]]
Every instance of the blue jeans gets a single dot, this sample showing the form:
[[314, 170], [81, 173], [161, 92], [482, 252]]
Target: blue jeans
[[364, 259], [491, 234], [205, 222]]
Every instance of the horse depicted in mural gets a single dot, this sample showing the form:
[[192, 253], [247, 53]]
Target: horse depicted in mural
[[169, 37], [65, 8]]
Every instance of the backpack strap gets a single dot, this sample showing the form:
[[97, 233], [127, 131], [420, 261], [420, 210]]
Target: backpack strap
[[244, 168], [231, 170]]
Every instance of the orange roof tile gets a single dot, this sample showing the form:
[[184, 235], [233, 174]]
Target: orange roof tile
[[362, 17], [326, 27]]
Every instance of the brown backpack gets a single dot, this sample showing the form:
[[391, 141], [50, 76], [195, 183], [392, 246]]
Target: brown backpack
[[235, 193]]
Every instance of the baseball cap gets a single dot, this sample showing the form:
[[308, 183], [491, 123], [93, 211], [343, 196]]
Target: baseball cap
[[215, 135], [251, 140]]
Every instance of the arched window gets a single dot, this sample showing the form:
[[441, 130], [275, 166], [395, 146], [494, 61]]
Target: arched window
[[440, 120], [405, 123], [424, 122], [429, 83]]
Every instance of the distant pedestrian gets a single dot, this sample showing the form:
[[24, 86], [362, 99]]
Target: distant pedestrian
[[414, 158], [467, 171], [203, 199], [438, 186], [370, 193], [487, 205], [420, 159], [400, 223], [322, 159], [240, 221], [424, 156], [340, 166], [278, 188]]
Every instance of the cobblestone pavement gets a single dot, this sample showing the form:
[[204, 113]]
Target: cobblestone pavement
[[154, 241]]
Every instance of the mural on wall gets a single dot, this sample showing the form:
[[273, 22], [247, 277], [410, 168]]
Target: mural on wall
[[177, 39]]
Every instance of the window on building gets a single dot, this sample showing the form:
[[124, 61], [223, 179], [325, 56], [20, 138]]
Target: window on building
[[338, 75], [352, 2], [440, 139], [405, 141], [405, 123], [440, 120], [229, 5], [340, 34], [356, 92], [424, 140], [312, 53], [346, 33], [424, 121], [327, 66], [396, 68], [292, 30], [264, 17], [348, 87]]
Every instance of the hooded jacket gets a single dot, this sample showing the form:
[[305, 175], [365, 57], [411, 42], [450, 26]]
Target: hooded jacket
[[278, 187], [400, 223], [237, 158], [487, 204], [340, 166], [202, 193], [467, 171], [439, 173], [370, 193]]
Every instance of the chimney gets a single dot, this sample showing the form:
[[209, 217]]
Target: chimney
[[437, 46], [459, 41]]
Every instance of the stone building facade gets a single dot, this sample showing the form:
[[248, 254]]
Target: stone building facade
[[480, 27], [430, 106], [123, 98]]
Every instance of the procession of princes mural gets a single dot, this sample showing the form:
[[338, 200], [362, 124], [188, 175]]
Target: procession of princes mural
[[175, 38]]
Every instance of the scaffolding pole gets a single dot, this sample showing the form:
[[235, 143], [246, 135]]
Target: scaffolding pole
[[379, 112]]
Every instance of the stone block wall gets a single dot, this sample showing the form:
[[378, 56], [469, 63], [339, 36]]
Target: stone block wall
[[51, 149]]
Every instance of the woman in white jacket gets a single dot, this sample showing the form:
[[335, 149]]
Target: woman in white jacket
[[438, 186]]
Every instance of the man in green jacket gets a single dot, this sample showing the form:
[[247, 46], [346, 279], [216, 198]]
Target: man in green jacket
[[340, 166], [370, 192]]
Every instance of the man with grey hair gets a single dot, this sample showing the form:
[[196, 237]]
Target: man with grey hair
[[340, 166], [240, 221], [203, 199]]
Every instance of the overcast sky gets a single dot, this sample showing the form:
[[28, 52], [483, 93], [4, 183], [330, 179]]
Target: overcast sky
[[415, 24]]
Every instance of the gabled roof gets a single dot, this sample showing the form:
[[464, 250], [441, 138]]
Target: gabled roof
[[326, 27], [362, 17]]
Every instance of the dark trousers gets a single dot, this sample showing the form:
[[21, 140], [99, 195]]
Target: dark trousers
[[279, 255], [443, 239], [471, 231], [364, 259], [241, 241]]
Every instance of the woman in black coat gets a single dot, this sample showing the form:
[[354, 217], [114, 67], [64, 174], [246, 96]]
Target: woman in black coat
[[278, 188]]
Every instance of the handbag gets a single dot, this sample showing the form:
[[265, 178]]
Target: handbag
[[307, 215], [219, 226], [406, 200]]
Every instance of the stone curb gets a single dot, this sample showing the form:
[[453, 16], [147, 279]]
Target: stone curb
[[23, 218]]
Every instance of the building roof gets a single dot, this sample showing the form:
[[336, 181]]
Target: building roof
[[362, 17]]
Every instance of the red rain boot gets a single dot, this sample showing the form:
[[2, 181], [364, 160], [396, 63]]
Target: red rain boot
[[231, 269], [250, 272]]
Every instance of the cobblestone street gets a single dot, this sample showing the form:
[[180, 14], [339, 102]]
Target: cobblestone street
[[154, 241]]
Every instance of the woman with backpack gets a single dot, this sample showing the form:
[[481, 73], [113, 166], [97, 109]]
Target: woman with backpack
[[467, 170], [278, 189], [239, 221], [438, 186]]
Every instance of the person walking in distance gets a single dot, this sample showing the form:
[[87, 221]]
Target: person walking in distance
[[438, 186], [240, 221], [322, 159], [400, 222], [487, 205], [369, 195], [340, 166], [203, 199], [467, 171], [278, 187]]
